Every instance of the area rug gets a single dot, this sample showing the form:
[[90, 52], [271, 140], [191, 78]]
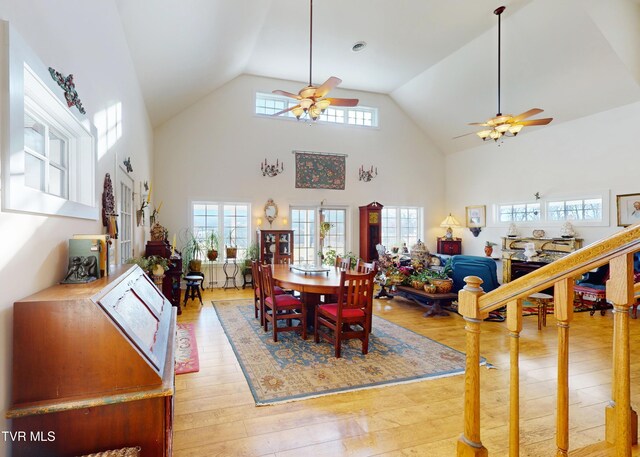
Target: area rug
[[295, 369], [186, 350]]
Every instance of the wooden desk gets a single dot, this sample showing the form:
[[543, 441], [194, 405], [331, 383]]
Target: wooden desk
[[423, 298]]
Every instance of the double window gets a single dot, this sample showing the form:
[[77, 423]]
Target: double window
[[401, 225], [318, 230], [269, 104], [229, 221], [583, 210]]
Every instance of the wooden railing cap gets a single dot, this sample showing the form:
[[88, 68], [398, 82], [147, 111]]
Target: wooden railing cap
[[473, 283]]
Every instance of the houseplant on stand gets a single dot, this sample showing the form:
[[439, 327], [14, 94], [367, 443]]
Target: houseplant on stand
[[212, 244], [192, 252], [488, 248]]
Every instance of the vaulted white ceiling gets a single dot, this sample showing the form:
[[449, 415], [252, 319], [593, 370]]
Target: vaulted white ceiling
[[436, 59]]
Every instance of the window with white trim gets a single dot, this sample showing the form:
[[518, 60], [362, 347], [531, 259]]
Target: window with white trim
[[269, 104], [49, 158], [230, 221], [303, 223], [519, 212], [401, 225], [306, 223], [588, 209]]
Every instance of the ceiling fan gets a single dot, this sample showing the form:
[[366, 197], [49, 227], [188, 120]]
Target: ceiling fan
[[311, 99], [506, 124]]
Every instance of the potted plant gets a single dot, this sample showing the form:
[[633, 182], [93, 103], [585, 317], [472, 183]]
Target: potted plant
[[253, 253], [153, 265], [488, 248], [212, 244], [441, 278], [192, 252], [232, 249]]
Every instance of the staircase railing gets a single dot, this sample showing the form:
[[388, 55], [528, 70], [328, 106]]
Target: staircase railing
[[475, 305]]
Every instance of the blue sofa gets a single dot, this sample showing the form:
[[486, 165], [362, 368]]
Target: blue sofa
[[469, 265]]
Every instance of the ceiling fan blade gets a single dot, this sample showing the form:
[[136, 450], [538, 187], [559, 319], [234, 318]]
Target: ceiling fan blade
[[544, 121], [286, 94], [460, 136], [285, 110], [343, 101], [526, 114], [327, 86]]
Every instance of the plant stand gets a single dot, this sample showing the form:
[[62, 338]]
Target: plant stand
[[230, 272]]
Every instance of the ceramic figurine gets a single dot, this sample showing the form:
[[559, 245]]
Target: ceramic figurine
[[530, 251], [512, 231], [567, 231]]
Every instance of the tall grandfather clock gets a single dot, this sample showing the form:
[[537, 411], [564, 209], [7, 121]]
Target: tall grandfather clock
[[370, 230]]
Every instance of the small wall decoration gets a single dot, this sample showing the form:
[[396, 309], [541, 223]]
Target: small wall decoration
[[320, 170], [69, 87], [475, 218], [628, 209], [127, 164], [109, 208]]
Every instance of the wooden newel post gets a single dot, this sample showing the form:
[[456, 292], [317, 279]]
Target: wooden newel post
[[469, 444], [620, 419]]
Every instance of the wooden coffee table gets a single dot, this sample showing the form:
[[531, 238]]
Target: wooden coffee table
[[434, 301]]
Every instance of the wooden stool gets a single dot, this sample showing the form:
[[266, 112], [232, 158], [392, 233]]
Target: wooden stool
[[541, 300], [194, 283]]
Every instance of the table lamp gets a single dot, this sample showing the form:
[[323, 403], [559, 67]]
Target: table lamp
[[449, 223]]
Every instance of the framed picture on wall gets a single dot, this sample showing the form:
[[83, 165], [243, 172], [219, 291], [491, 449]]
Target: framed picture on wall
[[476, 216], [628, 209]]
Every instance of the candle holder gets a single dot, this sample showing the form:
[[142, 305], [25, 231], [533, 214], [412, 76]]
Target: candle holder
[[368, 175], [271, 170]]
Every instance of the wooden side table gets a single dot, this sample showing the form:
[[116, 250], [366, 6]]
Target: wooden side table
[[451, 246], [541, 300], [435, 301]]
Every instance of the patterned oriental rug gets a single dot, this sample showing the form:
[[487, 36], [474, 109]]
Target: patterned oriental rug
[[186, 350], [295, 369]]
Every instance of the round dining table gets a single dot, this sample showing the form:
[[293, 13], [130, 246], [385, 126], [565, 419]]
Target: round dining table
[[308, 283]]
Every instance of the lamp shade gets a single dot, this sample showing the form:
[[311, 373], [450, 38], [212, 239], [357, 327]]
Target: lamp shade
[[450, 221]]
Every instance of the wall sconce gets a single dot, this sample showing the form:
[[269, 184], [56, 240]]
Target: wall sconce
[[285, 221], [271, 170], [368, 175], [259, 222]]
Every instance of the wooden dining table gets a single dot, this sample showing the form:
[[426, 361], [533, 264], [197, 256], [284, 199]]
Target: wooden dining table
[[311, 286]]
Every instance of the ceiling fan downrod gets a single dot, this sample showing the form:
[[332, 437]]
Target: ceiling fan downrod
[[498, 12]]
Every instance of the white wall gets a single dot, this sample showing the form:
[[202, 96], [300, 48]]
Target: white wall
[[213, 150], [86, 39], [592, 153]]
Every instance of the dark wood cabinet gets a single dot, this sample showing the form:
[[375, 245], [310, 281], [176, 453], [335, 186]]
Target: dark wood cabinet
[[93, 366], [450, 246], [370, 231], [172, 277], [276, 246]]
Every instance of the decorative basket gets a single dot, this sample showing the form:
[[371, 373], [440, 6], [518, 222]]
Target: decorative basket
[[430, 288], [417, 284], [443, 286]]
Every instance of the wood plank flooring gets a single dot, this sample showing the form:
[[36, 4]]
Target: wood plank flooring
[[215, 413]]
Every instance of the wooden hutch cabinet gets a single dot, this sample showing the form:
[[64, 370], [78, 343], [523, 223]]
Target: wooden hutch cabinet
[[93, 364], [276, 246], [370, 230]]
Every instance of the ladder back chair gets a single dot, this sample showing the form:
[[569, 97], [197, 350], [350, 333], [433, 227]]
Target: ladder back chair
[[282, 307], [349, 318]]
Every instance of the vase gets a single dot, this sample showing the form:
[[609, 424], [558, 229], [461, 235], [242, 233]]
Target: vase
[[488, 250], [430, 288], [212, 255], [417, 284]]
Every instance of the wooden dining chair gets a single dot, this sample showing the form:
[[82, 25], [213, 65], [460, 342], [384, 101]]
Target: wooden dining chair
[[258, 290], [366, 267], [349, 317], [282, 307], [344, 263]]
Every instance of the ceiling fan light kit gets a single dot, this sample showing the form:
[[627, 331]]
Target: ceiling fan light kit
[[506, 124], [311, 99]]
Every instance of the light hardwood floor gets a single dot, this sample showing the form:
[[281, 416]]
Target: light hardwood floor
[[215, 413]]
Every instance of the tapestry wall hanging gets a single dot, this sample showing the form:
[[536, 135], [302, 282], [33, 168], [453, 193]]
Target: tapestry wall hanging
[[318, 170]]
